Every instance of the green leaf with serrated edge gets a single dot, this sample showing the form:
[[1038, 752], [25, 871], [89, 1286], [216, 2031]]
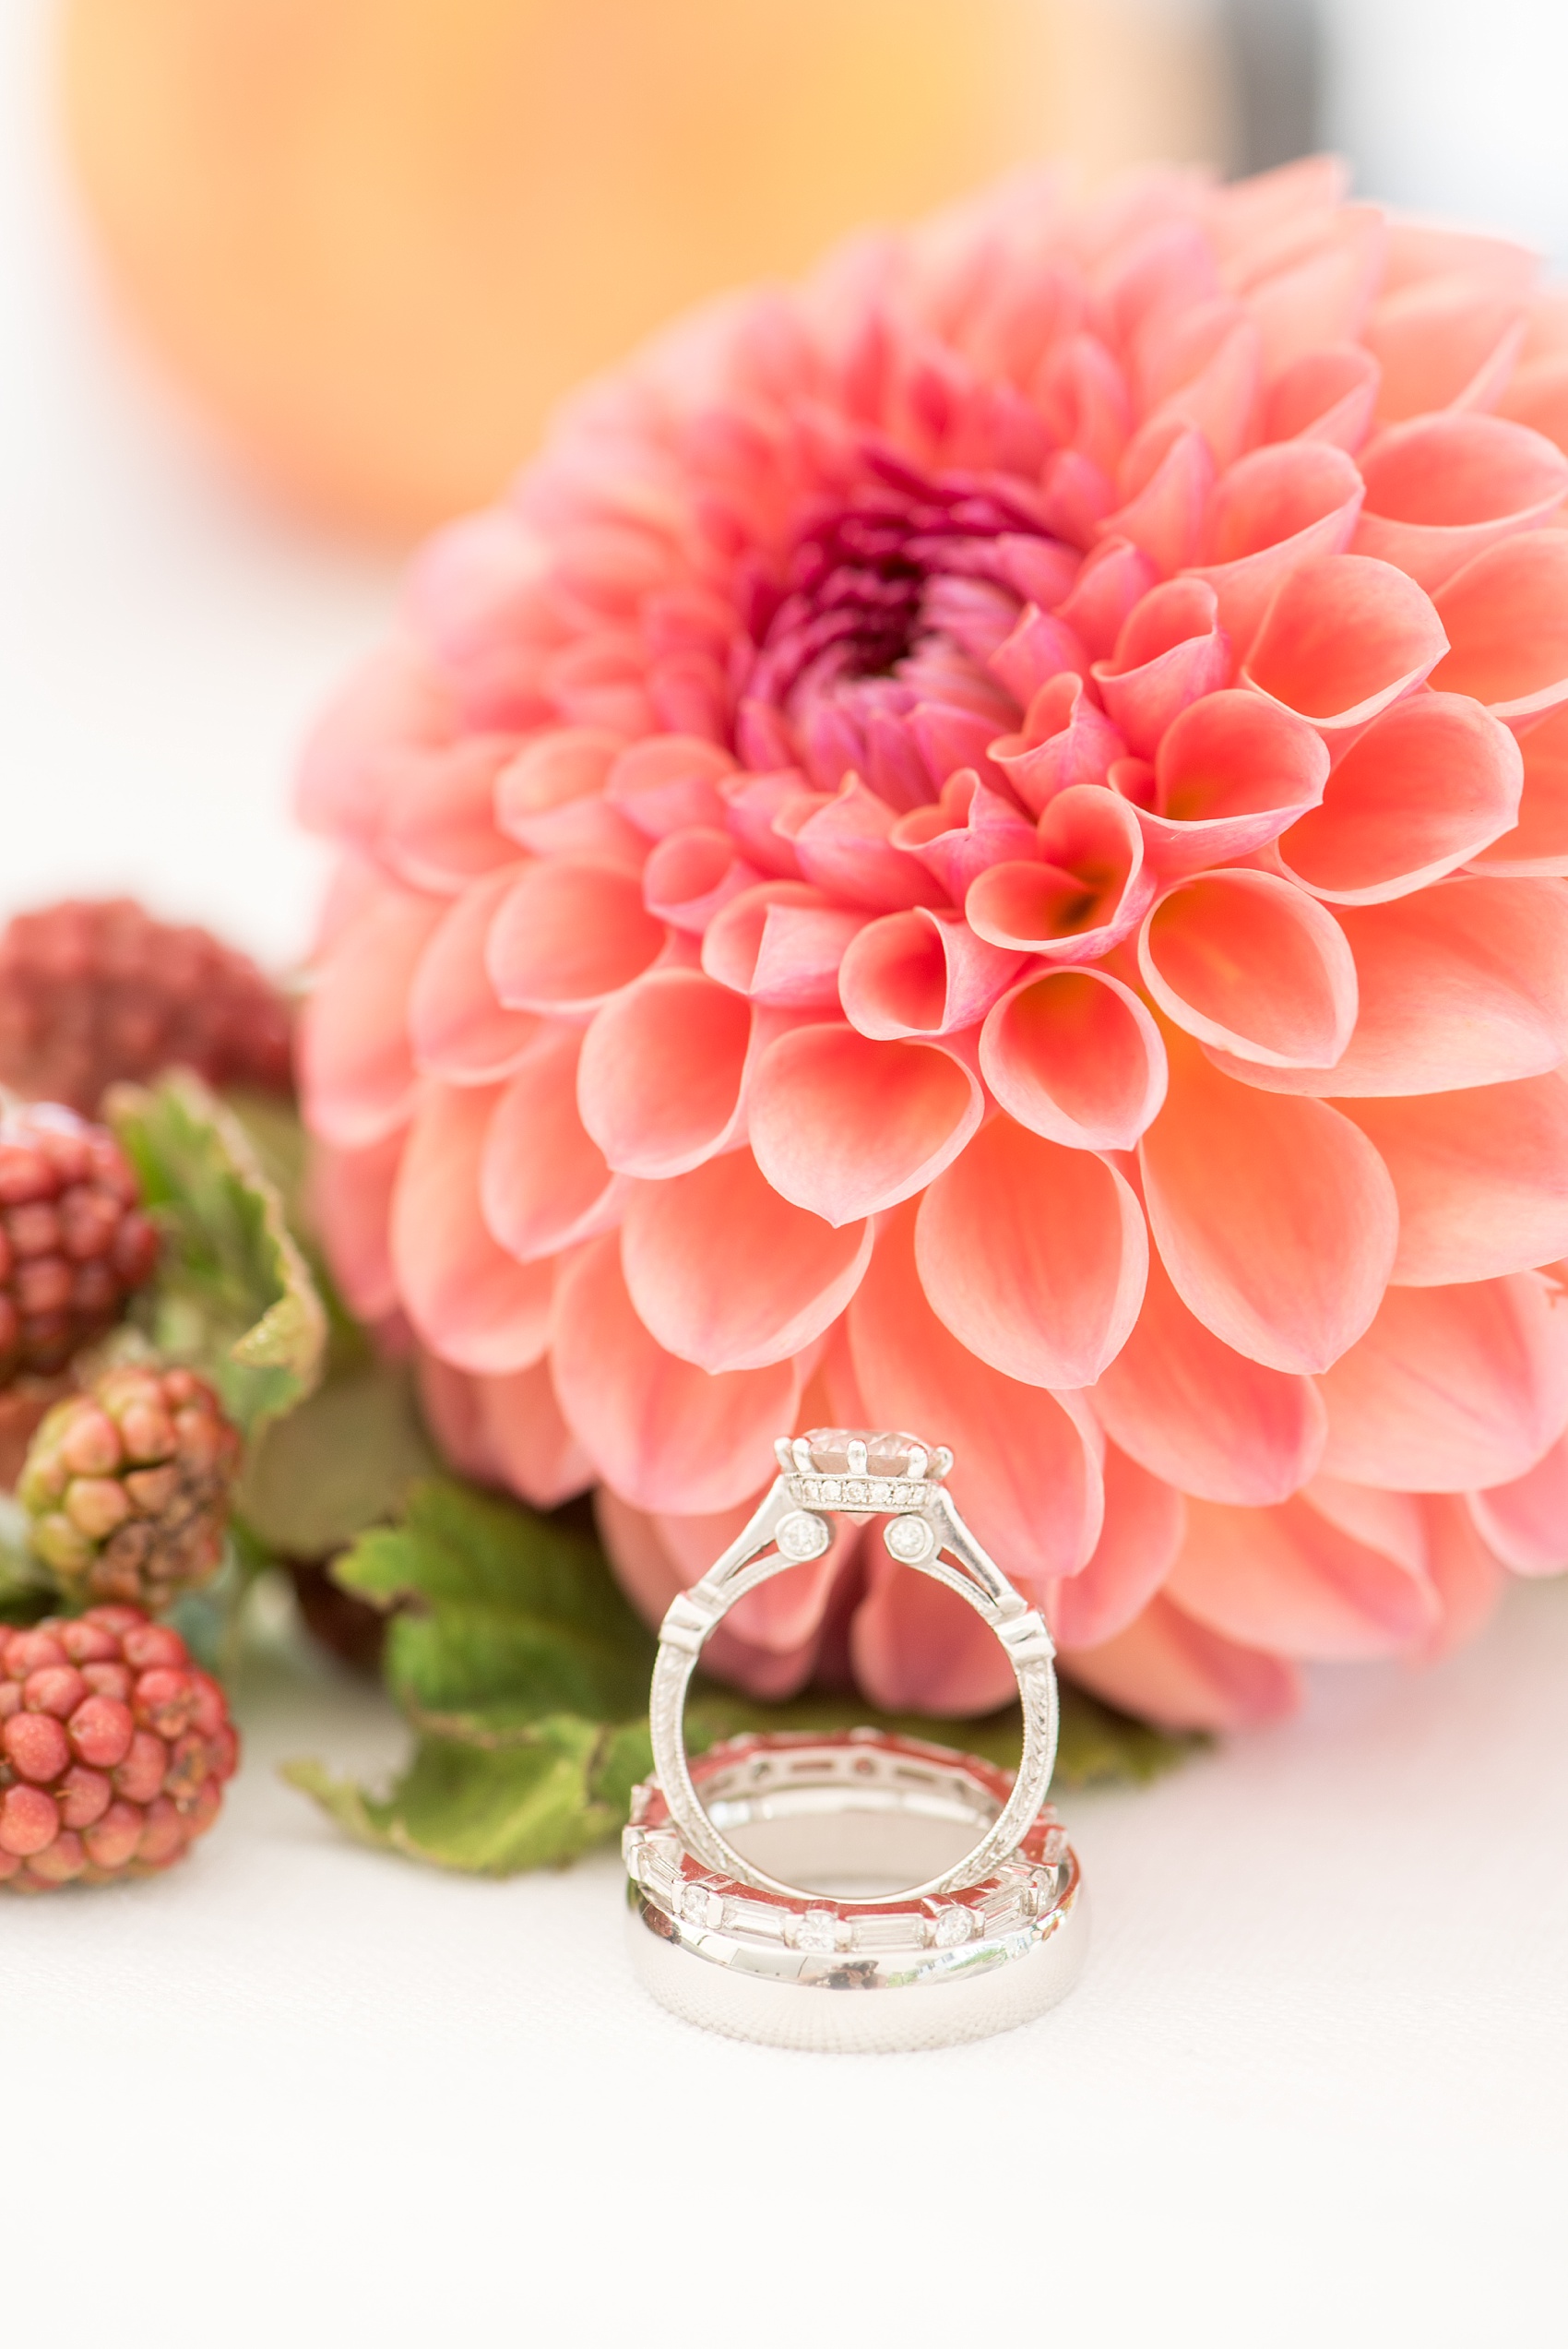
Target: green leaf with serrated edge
[[488, 1811], [343, 1461], [281, 1147], [518, 1617], [524, 1672], [232, 1294]]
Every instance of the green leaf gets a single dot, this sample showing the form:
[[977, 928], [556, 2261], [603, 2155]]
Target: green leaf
[[344, 1460], [490, 1810], [28, 1589], [525, 1673], [232, 1294], [518, 1618]]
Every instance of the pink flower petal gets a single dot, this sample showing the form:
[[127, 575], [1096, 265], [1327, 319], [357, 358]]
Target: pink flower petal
[[1026, 1474], [916, 1646], [1345, 637], [1467, 1576], [458, 1029], [1171, 650], [1066, 739], [659, 1085], [1440, 488], [921, 974], [693, 874], [1076, 497], [1506, 614], [1221, 400], [1466, 983], [1538, 841], [1444, 344], [1075, 1055], [728, 1274], [755, 803], [1165, 519], [350, 1207], [848, 1127], [356, 1071], [1525, 1522], [669, 781], [1481, 1177], [555, 771], [1144, 1519], [1537, 396], [543, 1182], [959, 835], [1167, 1668], [1451, 1388], [1039, 648], [845, 847], [1322, 298], [1328, 394], [1232, 772], [1431, 783], [393, 702], [1289, 1580], [438, 830], [471, 1303], [1034, 1255], [781, 943], [1275, 1218], [1091, 889], [1416, 249], [1207, 1419], [1275, 509], [1114, 578], [663, 1434], [950, 741], [452, 1406], [534, 1450], [568, 936], [1083, 396], [1251, 963]]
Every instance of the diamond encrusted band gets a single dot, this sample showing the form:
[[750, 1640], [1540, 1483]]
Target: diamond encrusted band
[[856, 1472], [754, 1963]]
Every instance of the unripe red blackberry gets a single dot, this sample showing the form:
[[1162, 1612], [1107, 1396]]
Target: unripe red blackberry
[[113, 1749], [73, 1242], [94, 992], [128, 1485]]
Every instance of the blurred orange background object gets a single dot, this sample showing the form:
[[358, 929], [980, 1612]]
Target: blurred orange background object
[[378, 239]]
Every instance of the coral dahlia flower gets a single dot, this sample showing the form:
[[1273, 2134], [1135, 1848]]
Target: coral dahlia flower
[[979, 845]]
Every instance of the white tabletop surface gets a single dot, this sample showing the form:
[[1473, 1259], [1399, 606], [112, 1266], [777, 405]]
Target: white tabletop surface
[[1311, 2088]]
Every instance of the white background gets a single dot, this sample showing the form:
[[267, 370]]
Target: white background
[[1310, 2090]]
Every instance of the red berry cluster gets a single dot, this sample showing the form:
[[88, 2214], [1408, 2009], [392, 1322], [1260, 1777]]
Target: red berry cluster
[[113, 1749], [73, 1240], [92, 992]]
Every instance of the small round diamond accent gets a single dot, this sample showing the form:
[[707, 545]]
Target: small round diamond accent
[[952, 1927], [818, 1929], [908, 1539], [801, 1537]]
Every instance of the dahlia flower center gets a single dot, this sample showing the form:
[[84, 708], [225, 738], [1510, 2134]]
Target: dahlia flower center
[[895, 595]]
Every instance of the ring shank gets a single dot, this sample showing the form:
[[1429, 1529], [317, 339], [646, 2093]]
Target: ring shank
[[695, 1614]]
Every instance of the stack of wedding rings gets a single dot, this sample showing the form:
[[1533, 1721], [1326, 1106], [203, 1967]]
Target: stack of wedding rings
[[773, 1874]]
